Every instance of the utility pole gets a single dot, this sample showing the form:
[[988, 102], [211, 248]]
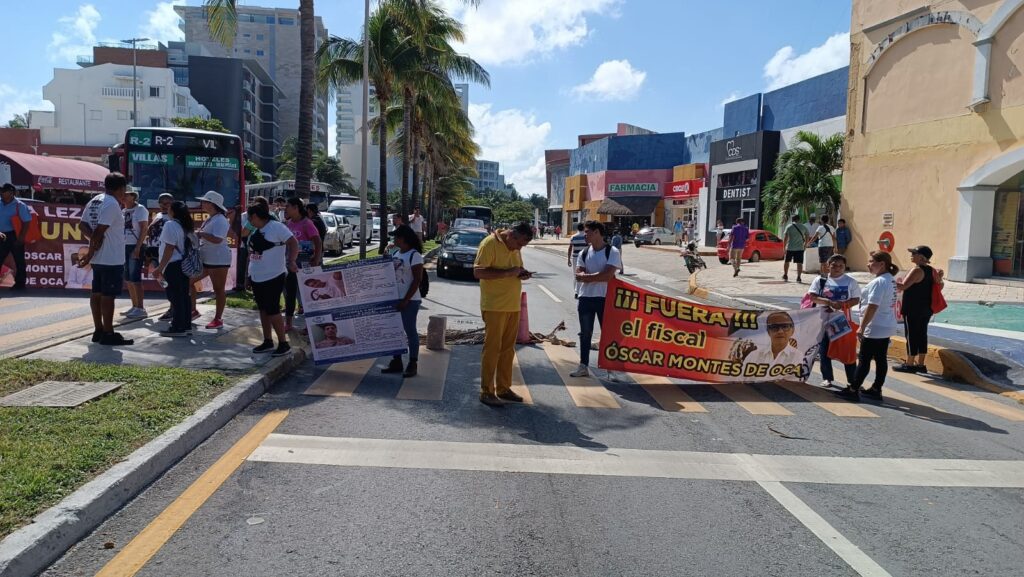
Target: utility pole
[[135, 79], [363, 193]]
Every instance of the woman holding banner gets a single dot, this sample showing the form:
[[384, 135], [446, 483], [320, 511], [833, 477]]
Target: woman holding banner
[[839, 292], [409, 270], [877, 326]]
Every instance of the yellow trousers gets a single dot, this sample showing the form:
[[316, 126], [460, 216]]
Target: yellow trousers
[[500, 331]]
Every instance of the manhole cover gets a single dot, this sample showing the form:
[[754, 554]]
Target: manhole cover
[[58, 394]]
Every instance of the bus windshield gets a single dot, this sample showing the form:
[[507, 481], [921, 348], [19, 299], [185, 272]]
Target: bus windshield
[[184, 164]]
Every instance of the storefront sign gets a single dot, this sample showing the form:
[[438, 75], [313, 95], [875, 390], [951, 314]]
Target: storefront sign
[[736, 148], [682, 189], [212, 162], [152, 158], [650, 333], [72, 183], [737, 193], [633, 187]]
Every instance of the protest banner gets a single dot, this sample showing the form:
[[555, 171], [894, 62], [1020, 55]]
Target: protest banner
[[646, 332], [350, 310]]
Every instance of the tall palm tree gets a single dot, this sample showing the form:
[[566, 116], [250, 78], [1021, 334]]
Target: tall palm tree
[[222, 16], [806, 177]]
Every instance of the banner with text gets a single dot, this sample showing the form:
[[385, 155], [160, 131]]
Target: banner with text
[[350, 310], [646, 332]]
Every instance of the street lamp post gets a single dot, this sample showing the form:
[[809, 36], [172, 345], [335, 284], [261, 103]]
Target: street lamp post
[[135, 80]]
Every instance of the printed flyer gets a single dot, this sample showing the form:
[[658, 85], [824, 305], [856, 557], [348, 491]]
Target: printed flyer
[[350, 311], [646, 332]]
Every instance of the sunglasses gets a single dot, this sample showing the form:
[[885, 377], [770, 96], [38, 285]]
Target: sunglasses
[[780, 327]]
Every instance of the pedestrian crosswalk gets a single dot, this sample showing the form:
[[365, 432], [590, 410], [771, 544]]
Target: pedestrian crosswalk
[[438, 379]]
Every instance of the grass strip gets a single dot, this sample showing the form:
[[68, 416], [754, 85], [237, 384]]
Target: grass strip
[[47, 453]]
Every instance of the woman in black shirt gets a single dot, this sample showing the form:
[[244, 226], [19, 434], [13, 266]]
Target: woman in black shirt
[[917, 308]]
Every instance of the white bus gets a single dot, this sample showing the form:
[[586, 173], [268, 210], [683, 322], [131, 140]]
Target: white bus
[[318, 191]]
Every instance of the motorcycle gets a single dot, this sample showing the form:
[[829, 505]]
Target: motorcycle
[[692, 257]]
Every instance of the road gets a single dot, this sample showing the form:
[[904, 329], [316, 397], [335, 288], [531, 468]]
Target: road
[[386, 478]]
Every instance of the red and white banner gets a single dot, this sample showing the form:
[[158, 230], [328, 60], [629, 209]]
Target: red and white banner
[[682, 189]]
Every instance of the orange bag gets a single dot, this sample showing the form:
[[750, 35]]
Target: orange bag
[[844, 349], [34, 233]]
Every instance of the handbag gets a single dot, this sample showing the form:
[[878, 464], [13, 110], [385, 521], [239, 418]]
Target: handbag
[[938, 301], [806, 302], [844, 349]]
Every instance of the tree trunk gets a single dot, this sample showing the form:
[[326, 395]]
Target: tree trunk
[[307, 105], [417, 200], [382, 135], [408, 161]]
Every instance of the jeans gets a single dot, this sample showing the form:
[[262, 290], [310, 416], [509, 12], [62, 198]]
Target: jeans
[[872, 349], [826, 364], [17, 252], [409, 324], [178, 295], [588, 308]]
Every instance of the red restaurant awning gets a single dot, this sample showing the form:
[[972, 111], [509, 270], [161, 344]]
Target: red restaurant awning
[[48, 172]]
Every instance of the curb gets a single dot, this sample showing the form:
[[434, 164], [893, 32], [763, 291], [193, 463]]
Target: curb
[[33, 548]]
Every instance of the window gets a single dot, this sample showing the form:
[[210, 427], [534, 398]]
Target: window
[[761, 237], [246, 35], [123, 114], [259, 37], [259, 53], [270, 19], [286, 21], [154, 91], [96, 114], [154, 121], [247, 51]]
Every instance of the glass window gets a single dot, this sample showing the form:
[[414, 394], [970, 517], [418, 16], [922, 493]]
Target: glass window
[[270, 19], [286, 21], [154, 92], [259, 53], [259, 37]]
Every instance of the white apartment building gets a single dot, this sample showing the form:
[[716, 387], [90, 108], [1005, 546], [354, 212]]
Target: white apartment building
[[93, 106]]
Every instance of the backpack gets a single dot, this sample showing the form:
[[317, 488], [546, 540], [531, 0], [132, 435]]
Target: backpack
[[34, 233], [191, 264], [607, 252]]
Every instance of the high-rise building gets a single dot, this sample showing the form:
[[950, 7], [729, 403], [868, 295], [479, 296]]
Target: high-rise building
[[489, 176], [271, 37]]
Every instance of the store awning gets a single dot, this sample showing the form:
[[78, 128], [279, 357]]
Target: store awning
[[48, 172], [629, 205]]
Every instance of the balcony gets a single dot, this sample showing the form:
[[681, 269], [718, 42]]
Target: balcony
[[85, 61], [120, 92]]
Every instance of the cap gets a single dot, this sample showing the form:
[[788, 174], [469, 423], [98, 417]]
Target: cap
[[8, 187], [922, 250]]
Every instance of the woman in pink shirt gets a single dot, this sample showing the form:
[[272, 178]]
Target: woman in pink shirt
[[310, 251]]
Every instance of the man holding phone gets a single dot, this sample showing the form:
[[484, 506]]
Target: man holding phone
[[595, 266], [499, 268]]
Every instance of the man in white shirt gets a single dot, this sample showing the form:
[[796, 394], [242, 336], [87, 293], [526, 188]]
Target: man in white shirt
[[417, 223], [825, 237], [595, 266], [577, 243], [780, 352], [103, 223]]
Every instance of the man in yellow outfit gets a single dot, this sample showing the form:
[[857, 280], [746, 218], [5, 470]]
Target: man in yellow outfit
[[499, 267]]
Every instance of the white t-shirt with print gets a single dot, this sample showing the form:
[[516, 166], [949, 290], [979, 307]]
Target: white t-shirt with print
[[172, 235], [104, 209], [134, 218], [825, 235], [273, 262], [404, 261], [594, 263], [882, 292], [215, 253], [839, 289]]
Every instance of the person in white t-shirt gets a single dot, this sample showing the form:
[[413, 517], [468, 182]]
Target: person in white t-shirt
[[596, 264], [273, 253], [825, 237], [877, 325], [409, 272], [103, 222], [418, 223], [177, 227], [136, 224], [215, 254], [839, 292]]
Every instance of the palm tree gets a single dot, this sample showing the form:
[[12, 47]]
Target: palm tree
[[806, 177], [222, 16]]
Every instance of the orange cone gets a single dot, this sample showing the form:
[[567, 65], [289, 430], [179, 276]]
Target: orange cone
[[524, 321]]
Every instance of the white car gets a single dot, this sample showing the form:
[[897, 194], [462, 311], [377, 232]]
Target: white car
[[654, 235], [468, 223], [339, 234], [374, 232]]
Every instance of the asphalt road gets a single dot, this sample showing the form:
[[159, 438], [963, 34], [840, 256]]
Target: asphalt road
[[374, 484]]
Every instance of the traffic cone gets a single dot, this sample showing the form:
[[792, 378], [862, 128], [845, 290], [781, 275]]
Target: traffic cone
[[524, 321]]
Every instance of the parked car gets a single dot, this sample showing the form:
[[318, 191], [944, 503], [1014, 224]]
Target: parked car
[[654, 235], [458, 251], [339, 234], [761, 245], [469, 223], [374, 231]]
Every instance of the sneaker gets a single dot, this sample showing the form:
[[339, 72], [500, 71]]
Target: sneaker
[[215, 324], [614, 376], [920, 369], [175, 333], [282, 350], [491, 400], [799, 280], [510, 396], [266, 347], [905, 368], [96, 336], [850, 394], [873, 392], [410, 370], [115, 339], [581, 371], [127, 312], [137, 313], [395, 366], [735, 273], [166, 316], [196, 314], [828, 384], [785, 278]]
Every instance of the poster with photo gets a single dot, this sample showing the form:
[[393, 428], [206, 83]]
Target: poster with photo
[[352, 284], [356, 333]]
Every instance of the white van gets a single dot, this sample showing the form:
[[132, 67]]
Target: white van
[[345, 207]]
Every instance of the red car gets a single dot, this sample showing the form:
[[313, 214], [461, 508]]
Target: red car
[[762, 244]]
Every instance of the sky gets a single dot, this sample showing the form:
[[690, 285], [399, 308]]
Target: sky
[[558, 68]]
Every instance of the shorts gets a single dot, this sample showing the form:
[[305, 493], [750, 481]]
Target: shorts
[[132, 266], [824, 252], [267, 294], [107, 279], [796, 256]]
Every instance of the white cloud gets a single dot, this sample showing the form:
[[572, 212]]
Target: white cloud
[[514, 32], [76, 34], [733, 96], [786, 68], [162, 22], [15, 101], [332, 140], [613, 80], [515, 139]]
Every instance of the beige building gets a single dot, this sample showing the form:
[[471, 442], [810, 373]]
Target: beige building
[[935, 125]]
